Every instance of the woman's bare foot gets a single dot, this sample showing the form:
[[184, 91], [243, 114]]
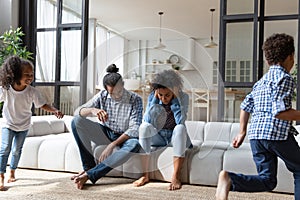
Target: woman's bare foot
[[12, 177], [77, 175], [223, 187], [81, 180], [175, 184], [141, 181]]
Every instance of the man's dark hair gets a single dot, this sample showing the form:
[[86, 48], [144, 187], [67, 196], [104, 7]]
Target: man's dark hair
[[112, 78], [278, 47]]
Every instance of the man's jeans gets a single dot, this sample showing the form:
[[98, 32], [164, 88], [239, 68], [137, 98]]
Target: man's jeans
[[11, 141], [89, 135], [265, 153]]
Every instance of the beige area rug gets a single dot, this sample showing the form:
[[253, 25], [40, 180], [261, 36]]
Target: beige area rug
[[37, 185]]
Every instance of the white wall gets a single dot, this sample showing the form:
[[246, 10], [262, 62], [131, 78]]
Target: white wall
[[140, 53], [9, 14]]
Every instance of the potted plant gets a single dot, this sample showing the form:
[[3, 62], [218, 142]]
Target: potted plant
[[11, 43]]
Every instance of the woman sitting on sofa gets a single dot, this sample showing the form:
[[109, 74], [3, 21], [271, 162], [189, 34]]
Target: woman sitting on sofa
[[164, 124]]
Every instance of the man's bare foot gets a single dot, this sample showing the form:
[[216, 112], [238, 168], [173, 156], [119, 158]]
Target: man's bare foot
[[175, 184], [77, 175], [141, 181], [223, 187], [81, 180]]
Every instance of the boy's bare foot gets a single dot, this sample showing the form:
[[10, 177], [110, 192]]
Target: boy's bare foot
[[81, 180], [175, 184], [77, 175], [223, 187], [141, 181]]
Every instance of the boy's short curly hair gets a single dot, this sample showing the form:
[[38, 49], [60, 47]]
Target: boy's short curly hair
[[278, 47], [167, 79]]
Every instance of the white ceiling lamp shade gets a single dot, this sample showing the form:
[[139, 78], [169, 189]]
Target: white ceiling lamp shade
[[211, 43], [160, 45], [190, 55]]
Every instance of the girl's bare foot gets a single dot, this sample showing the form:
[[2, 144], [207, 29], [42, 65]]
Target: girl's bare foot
[[175, 184], [77, 175], [11, 176], [141, 181], [2, 182], [223, 187], [81, 180]]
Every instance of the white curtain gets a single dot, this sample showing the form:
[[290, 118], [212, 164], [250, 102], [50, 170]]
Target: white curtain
[[109, 49]]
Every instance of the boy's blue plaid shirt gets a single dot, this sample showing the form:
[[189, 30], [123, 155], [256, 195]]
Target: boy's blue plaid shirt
[[270, 95]]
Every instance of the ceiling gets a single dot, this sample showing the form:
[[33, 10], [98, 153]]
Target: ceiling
[[139, 19]]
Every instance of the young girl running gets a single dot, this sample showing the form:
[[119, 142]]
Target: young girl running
[[16, 75]]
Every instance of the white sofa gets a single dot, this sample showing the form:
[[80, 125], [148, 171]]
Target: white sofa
[[50, 145]]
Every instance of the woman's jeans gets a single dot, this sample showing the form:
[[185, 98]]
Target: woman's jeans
[[265, 153], [11, 141], [178, 138], [88, 136]]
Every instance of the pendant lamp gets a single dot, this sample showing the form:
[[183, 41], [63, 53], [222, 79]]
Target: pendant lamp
[[160, 45], [211, 43]]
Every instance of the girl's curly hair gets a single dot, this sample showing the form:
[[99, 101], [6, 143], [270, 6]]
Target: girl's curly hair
[[167, 79], [278, 47], [11, 71]]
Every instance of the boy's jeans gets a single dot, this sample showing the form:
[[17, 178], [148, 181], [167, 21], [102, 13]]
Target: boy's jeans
[[265, 153]]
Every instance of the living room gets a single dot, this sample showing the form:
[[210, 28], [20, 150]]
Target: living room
[[126, 33]]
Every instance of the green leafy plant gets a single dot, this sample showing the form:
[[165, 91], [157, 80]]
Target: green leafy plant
[[11, 43]]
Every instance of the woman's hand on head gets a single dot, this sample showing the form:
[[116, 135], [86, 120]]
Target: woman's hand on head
[[156, 94], [176, 92]]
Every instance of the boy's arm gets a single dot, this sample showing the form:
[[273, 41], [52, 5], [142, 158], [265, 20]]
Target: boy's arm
[[290, 115], [239, 138]]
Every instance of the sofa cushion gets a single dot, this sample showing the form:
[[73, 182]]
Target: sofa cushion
[[217, 131], [45, 125], [245, 164], [195, 130], [205, 166]]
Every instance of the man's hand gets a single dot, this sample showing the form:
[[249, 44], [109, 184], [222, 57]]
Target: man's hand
[[238, 140], [101, 114], [107, 152]]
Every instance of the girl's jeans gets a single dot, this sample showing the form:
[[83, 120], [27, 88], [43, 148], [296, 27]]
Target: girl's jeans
[[11, 141]]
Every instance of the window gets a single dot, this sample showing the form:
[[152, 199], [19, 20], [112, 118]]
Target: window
[[215, 73], [230, 74], [245, 71], [58, 58], [109, 49]]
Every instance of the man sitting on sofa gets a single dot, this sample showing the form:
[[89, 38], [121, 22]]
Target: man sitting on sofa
[[120, 114]]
